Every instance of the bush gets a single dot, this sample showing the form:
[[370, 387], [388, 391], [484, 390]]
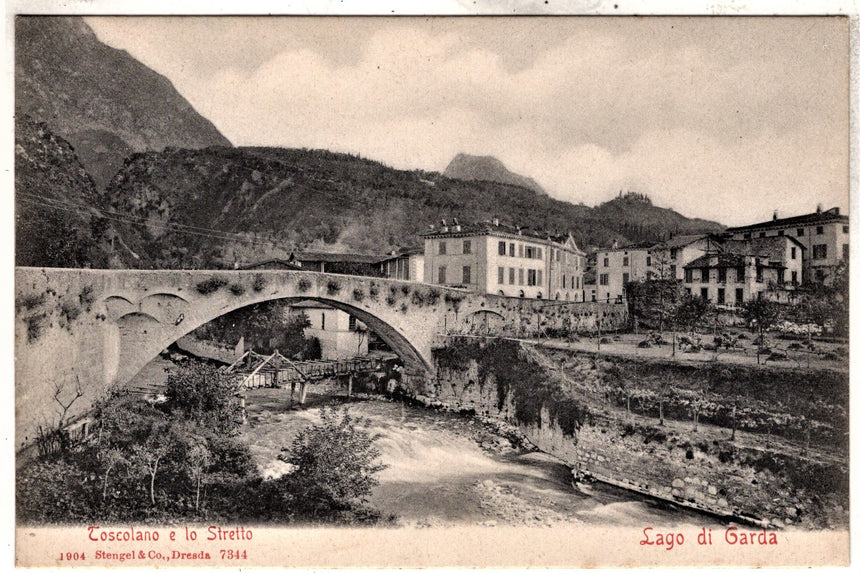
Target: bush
[[87, 296], [259, 283], [333, 287], [70, 311], [304, 284], [335, 465], [357, 294], [210, 285], [236, 289], [204, 394]]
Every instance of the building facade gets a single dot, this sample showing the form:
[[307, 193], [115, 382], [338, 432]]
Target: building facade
[[408, 265], [498, 259], [617, 266], [824, 235], [341, 335], [742, 270]]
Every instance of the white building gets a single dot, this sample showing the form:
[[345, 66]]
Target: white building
[[340, 334], [498, 259]]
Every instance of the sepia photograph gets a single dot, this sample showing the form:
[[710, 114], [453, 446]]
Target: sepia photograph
[[431, 291]]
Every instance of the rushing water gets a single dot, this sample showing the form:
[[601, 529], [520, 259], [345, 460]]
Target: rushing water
[[444, 469]]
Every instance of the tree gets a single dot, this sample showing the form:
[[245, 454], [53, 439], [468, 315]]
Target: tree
[[197, 461], [206, 395], [335, 464], [109, 459], [761, 314], [146, 458]]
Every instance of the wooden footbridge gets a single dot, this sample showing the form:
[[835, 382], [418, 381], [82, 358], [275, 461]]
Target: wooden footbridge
[[253, 370]]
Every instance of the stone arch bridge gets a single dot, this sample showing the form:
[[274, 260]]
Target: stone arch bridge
[[85, 329]]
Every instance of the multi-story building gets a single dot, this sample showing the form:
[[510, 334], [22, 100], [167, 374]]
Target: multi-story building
[[499, 259], [617, 266], [670, 256], [747, 269], [824, 234], [406, 265]]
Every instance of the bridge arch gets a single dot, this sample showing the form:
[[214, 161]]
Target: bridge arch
[[159, 333]]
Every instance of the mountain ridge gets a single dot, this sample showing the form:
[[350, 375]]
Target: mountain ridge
[[101, 100]]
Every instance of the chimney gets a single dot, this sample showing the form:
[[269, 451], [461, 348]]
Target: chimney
[[496, 221], [614, 244], [775, 214], [432, 227], [818, 209]]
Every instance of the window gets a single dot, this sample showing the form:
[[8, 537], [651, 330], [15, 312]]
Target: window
[[820, 275], [606, 261], [512, 276], [747, 235], [322, 321], [758, 274], [604, 278], [521, 250], [467, 246], [501, 274], [625, 278], [844, 229], [794, 276], [532, 278], [762, 234], [706, 275], [564, 281], [648, 261], [539, 253], [819, 251], [673, 253], [577, 283], [800, 232], [353, 323], [741, 272], [845, 251], [704, 293], [502, 246], [521, 276], [721, 274], [511, 251], [794, 252], [467, 274], [780, 232], [540, 276], [721, 296], [819, 230], [443, 248], [739, 296], [688, 275], [442, 278], [674, 269], [530, 252], [625, 262]]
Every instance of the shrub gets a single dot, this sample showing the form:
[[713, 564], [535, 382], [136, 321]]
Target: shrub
[[204, 394], [374, 291], [236, 289], [333, 287], [70, 311], [304, 284], [357, 294], [210, 285], [259, 283], [35, 326], [30, 302], [335, 464], [87, 296]]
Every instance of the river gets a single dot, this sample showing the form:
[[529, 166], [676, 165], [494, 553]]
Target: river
[[445, 469]]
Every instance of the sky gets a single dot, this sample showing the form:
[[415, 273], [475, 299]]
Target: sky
[[726, 119]]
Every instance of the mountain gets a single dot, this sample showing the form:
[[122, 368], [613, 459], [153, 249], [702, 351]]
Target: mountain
[[487, 168], [55, 202], [634, 216], [265, 202], [102, 101]]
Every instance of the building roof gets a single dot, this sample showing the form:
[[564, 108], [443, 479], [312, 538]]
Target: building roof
[[682, 240], [717, 260], [405, 252], [308, 256], [630, 247], [772, 247], [273, 263], [817, 218], [494, 228]]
